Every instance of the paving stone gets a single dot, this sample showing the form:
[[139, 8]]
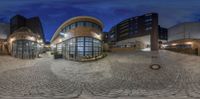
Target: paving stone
[[119, 75]]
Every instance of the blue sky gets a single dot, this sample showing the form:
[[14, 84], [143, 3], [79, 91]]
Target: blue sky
[[54, 12]]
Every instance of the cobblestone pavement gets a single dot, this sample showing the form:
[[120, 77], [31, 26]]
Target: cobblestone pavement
[[119, 75]]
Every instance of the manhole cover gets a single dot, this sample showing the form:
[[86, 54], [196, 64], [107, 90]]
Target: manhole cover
[[155, 66]]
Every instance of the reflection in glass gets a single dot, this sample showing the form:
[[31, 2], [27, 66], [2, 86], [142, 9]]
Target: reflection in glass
[[82, 47], [25, 49]]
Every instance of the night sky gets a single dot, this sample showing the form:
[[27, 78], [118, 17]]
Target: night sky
[[54, 12]]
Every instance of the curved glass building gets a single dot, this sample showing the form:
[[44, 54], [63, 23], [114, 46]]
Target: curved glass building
[[79, 38]]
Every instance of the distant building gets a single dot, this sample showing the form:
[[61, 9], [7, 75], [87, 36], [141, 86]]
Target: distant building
[[26, 39], [79, 38], [4, 32], [184, 37], [162, 34], [138, 32], [47, 46], [106, 36], [34, 24]]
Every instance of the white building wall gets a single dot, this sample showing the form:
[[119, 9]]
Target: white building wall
[[144, 40], [184, 30]]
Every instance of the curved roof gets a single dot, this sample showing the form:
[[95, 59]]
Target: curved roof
[[72, 19]]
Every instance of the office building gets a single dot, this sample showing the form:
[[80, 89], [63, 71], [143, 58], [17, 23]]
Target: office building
[[79, 38]]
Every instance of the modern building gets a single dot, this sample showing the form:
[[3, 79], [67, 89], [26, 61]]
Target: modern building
[[184, 37], [4, 32], [34, 24], [26, 39], [79, 38], [136, 32]]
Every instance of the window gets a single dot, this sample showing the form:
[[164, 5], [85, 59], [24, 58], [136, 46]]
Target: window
[[148, 28], [25, 49], [136, 31], [148, 20], [88, 43], [80, 39], [82, 47], [67, 28], [88, 24], [88, 39], [73, 26], [82, 23], [80, 43], [148, 24]]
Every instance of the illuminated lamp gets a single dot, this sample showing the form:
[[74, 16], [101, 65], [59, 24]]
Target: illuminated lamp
[[174, 44], [12, 39], [189, 43]]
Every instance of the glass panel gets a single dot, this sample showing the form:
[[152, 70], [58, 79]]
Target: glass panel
[[25, 49], [88, 24], [88, 53], [96, 49], [80, 43], [73, 26], [80, 48], [80, 24], [80, 53], [88, 39], [72, 48], [88, 48], [88, 43], [59, 48], [80, 39]]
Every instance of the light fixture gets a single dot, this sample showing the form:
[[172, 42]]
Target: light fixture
[[174, 44], [189, 43], [164, 45], [12, 39], [31, 38], [59, 40]]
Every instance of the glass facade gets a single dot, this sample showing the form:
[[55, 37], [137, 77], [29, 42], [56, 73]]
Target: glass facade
[[80, 48], [81, 23], [25, 49]]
